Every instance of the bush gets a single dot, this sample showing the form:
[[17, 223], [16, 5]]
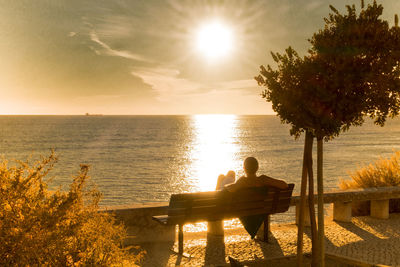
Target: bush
[[54, 228], [384, 172]]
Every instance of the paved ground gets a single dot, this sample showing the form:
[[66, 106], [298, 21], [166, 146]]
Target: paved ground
[[366, 239]]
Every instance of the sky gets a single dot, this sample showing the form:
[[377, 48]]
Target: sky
[[144, 57]]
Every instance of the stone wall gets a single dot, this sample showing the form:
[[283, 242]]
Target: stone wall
[[378, 193], [342, 201], [140, 225]]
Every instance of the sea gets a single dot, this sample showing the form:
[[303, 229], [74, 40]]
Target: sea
[[145, 159]]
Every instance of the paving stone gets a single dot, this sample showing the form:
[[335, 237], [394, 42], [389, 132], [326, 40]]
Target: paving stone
[[367, 239]]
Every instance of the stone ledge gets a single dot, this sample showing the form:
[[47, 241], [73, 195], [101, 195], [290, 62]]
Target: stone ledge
[[139, 223], [342, 202], [380, 193]]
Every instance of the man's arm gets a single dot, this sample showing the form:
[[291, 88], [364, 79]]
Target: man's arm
[[235, 186], [269, 181]]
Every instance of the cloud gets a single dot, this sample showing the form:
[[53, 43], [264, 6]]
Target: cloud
[[313, 5], [245, 85], [168, 85], [113, 52]]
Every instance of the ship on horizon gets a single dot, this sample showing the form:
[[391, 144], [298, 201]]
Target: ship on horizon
[[88, 114]]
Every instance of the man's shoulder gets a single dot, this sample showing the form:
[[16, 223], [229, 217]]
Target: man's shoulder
[[263, 176], [264, 180], [242, 179]]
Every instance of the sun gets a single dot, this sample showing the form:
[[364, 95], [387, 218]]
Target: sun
[[214, 40]]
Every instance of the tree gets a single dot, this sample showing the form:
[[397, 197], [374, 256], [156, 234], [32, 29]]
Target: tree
[[351, 71]]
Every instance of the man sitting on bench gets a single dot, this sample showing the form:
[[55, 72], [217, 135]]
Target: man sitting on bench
[[251, 179], [252, 223]]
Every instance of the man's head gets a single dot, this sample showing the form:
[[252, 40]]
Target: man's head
[[250, 165]]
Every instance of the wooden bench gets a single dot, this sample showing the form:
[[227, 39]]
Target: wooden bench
[[222, 205]]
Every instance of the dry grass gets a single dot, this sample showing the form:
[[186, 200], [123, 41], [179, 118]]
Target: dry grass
[[384, 172]]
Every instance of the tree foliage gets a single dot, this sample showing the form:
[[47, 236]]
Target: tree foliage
[[54, 228], [352, 70]]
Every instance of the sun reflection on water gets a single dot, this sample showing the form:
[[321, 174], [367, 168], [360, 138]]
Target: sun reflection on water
[[215, 149]]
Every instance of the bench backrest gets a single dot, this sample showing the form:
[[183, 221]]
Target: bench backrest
[[217, 205]]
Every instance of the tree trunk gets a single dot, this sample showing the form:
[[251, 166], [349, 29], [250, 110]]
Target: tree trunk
[[311, 204], [320, 185], [300, 226]]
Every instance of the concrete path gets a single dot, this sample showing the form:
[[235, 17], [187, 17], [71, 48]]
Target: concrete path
[[366, 239]]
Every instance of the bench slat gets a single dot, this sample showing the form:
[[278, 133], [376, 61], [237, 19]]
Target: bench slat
[[246, 196], [256, 196], [207, 214], [210, 197], [259, 204], [196, 195], [212, 201], [177, 211], [215, 217], [214, 207]]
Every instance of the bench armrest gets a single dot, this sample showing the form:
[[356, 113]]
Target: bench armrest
[[163, 219]]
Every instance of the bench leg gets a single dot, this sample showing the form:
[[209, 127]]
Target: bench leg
[[180, 243], [262, 234], [180, 239]]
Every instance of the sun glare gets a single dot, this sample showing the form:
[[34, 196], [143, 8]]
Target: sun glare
[[215, 148], [214, 40]]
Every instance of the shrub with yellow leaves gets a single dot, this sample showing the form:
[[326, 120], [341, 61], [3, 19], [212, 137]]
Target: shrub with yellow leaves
[[55, 228]]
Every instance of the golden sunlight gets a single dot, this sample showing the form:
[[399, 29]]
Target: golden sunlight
[[214, 40], [215, 148]]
